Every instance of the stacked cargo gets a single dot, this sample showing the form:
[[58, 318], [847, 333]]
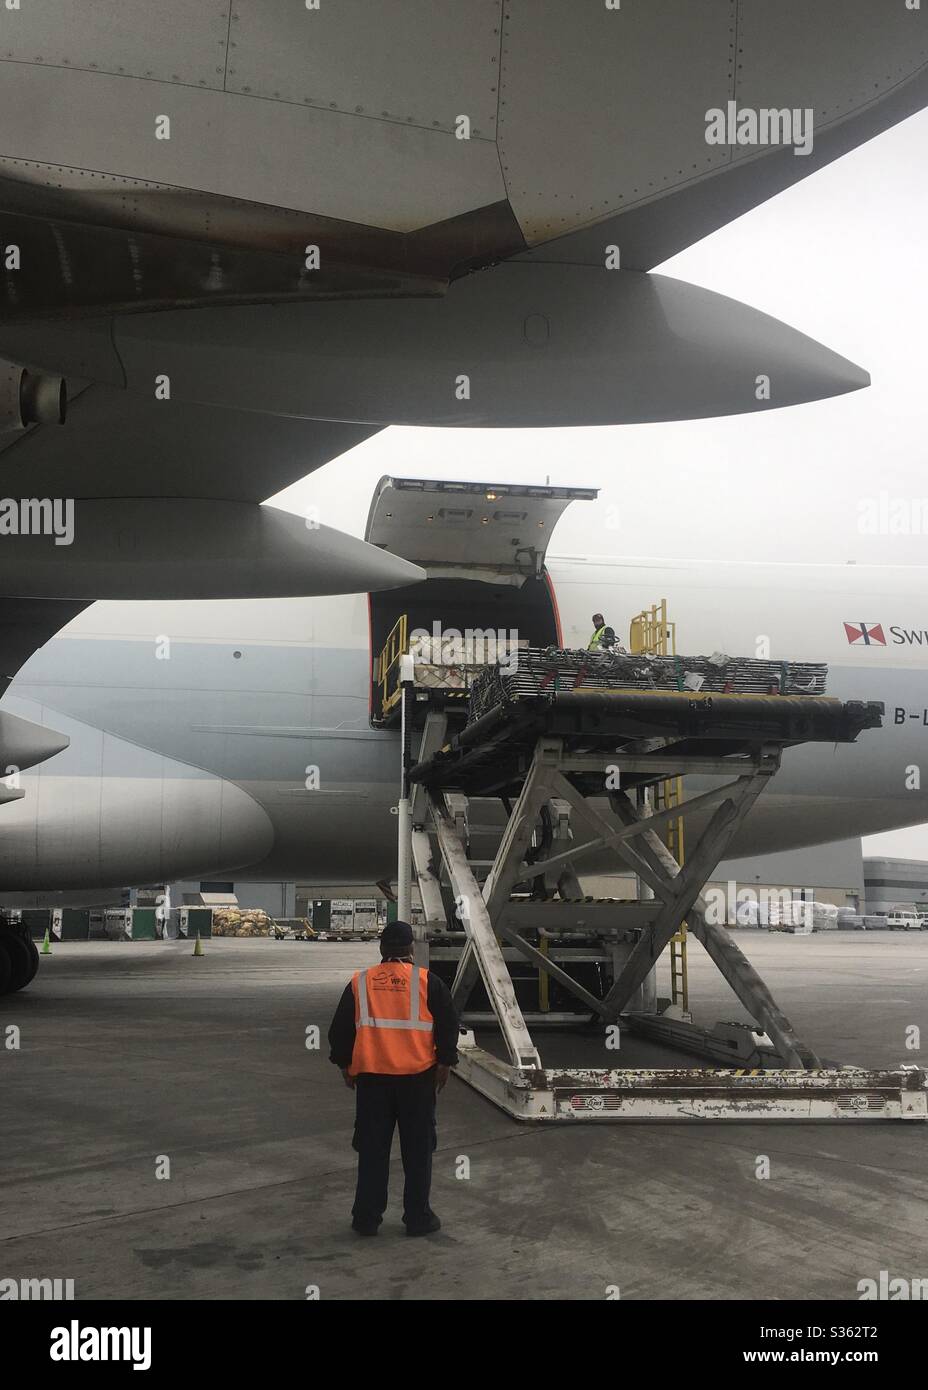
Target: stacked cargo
[[236, 921], [453, 661], [548, 671]]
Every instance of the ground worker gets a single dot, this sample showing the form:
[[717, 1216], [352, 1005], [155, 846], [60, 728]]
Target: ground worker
[[394, 1035]]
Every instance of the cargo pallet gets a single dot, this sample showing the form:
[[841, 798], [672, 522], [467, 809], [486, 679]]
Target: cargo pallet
[[575, 771]]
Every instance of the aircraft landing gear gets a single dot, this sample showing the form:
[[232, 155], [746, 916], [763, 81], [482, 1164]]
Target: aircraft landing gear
[[19, 959]]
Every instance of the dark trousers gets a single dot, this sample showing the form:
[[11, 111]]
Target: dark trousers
[[382, 1102]]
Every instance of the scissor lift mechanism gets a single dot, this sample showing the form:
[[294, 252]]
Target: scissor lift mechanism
[[569, 751]]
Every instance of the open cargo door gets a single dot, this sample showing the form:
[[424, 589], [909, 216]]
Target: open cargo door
[[497, 532], [483, 548]]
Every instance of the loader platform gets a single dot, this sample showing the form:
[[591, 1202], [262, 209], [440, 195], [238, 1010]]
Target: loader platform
[[506, 807]]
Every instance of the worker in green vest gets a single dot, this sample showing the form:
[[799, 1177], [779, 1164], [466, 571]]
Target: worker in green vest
[[599, 625]]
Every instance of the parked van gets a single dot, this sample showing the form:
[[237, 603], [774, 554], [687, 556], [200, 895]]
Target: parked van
[[903, 917]]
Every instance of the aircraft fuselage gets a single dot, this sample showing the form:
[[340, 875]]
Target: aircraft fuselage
[[235, 735]]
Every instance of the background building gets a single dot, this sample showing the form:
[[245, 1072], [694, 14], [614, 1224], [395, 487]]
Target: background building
[[831, 873], [888, 882]]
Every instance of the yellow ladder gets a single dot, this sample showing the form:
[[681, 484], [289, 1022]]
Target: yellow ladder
[[650, 633], [670, 793]]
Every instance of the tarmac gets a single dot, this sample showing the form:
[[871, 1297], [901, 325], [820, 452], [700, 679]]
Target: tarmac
[[135, 1060]]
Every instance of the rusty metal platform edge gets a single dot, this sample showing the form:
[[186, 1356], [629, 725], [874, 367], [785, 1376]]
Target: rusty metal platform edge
[[603, 1095]]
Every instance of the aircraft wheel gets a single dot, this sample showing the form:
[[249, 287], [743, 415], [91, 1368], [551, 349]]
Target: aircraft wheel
[[22, 969], [6, 968], [33, 959]]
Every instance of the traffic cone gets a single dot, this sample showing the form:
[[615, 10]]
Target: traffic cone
[[198, 948], [46, 945]]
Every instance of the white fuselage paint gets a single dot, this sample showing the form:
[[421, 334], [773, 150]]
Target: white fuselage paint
[[155, 727]]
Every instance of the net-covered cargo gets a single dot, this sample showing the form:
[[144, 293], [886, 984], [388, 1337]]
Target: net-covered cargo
[[546, 671]]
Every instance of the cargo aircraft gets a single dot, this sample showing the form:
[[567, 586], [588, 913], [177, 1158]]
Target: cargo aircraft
[[237, 241]]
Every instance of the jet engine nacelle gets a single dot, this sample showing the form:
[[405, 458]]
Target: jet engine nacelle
[[80, 824], [523, 344], [30, 398]]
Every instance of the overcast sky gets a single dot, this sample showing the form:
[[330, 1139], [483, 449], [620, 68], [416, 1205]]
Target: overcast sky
[[843, 256]]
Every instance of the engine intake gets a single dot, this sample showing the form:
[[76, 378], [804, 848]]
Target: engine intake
[[30, 398]]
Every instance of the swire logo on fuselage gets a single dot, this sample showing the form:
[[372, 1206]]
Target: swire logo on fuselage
[[873, 635], [865, 634]]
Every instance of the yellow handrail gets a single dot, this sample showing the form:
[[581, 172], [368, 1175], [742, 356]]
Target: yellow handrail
[[650, 632], [394, 647]]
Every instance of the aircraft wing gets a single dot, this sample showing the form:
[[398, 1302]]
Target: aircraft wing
[[143, 498], [336, 212], [857, 67], [412, 146]]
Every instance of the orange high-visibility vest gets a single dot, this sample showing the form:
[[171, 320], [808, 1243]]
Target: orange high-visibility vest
[[393, 1027]]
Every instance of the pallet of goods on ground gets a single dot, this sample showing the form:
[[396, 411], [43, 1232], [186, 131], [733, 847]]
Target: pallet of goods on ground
[[802, 917], [240, 921]]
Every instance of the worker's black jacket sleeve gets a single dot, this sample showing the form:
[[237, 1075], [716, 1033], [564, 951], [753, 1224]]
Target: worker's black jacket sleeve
[[341, 1032], [441, 1007], [447, 1026]]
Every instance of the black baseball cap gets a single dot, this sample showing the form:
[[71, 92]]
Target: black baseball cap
[[396, 939]]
